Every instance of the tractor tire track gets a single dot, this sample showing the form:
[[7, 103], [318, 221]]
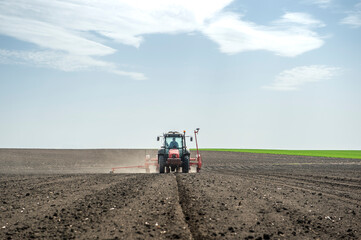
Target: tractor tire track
[[185, 202]]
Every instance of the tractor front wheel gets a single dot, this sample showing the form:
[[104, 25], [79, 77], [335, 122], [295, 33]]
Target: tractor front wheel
[[161, 161], [185, 165]]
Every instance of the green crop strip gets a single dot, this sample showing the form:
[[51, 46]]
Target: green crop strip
[[317, 153]]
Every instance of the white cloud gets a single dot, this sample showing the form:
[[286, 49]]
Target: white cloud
[[300, 18], [290, 36], [292, 79], [80, 30], [123, 21], [66, 27], [320, 3], [50, 36], [354, 17], [62, 61]]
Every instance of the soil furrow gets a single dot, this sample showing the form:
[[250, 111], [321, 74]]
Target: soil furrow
[[183, 202], [236, 196], [313, 181], [342, 196]]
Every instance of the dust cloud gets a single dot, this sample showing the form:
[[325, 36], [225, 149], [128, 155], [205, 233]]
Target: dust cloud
[[62, 161], [77, 161]]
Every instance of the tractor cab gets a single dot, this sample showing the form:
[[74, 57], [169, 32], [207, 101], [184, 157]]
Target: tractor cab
[[173, 153], [173, 142]]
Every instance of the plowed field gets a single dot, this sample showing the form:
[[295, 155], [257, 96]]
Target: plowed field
[[66, 194]]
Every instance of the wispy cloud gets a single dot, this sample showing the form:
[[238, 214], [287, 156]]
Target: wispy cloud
[[62, 61], [65, 27], [289, 36], [353, 18], [294, 78], [299, 18], [81, 31], [320, 3]]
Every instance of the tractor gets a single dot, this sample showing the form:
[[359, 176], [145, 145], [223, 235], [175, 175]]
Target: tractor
[[174, 153]]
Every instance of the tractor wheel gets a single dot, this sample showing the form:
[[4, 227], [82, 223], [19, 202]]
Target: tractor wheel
[[161, 163], [185, 165]]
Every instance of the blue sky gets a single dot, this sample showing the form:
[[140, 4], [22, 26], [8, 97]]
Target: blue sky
[[115, 74]]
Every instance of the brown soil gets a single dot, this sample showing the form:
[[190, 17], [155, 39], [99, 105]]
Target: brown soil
[[236, 196]]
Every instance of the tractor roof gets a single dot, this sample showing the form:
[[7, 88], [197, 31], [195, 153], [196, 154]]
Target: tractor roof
[[173, 133]]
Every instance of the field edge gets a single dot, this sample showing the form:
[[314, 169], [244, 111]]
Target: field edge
[[354, 154]]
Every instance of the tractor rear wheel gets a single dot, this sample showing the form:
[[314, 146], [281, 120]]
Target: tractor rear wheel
[[185, 165], [161, 163]]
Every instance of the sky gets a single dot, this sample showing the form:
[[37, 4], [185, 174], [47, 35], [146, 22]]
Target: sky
[[277, 74]]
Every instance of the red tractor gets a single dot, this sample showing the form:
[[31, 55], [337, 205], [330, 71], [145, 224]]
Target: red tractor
[[174, 153], [172, 156]]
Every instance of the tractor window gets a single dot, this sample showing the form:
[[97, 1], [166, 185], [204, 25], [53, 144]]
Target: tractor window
[[173, 142]]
